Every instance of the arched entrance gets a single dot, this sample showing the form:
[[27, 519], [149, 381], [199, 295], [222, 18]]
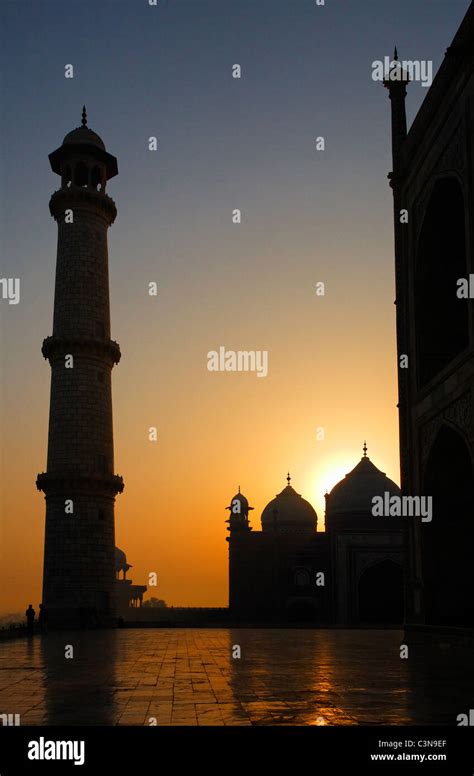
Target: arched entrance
[[381, 593], [448, 541], [441, 319]]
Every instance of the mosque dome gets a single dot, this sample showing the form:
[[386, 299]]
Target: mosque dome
[[355, 492], [288, 511]]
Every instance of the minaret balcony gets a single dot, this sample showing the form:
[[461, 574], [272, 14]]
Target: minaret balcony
[[82, 197], [65, 484], [55, 348]]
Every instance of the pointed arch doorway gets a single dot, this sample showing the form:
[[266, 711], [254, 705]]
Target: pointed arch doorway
[[448, 541]]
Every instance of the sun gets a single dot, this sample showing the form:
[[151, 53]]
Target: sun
[[322, 478]]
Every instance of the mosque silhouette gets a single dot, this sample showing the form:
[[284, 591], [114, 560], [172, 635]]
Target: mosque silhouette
[[348, 574]]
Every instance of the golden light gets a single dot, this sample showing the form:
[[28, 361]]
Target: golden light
[[323, 477]]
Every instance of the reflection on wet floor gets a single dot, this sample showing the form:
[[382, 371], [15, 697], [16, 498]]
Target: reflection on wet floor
[[189, 677]]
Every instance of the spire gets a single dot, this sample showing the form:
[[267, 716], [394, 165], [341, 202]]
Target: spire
[[84, 116], [288, 478], [239, 488], [365, 449], [395, 81]]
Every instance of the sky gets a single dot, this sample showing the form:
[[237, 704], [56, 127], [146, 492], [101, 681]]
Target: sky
[[308, 217]]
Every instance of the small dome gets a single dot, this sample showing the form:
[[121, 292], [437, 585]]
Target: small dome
[[289, 511], [120, 560], [243, 508], [120, 555], [82, 142], [84, 136], [355, 492], [244, 504]]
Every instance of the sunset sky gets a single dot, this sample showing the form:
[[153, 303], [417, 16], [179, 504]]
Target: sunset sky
[[307, 216]]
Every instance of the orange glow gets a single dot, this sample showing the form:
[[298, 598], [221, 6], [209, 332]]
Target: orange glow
[[215, 432]]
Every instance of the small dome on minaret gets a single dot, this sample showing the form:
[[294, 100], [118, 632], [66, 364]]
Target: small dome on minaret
[[83, 142], [239, 512], [84, 134], [239, 497]]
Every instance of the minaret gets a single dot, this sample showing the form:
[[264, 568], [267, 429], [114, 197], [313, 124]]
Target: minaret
[[80, 485], [396, 84], [240, 531]]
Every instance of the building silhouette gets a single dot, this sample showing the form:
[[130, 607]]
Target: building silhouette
[[128, 595], [79, 585], [433, 181], [347, 574]]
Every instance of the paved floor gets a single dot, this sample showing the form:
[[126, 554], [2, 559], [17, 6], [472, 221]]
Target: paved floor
[[190, 677]]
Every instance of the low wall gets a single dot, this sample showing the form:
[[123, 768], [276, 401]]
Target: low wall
[[175, 615], [13, 632]]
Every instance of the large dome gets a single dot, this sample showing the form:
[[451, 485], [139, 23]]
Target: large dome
[[288, 511], [355, 492]]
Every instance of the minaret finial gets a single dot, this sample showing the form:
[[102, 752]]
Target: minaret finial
[[395, 54], [365, 449], [288, 478], [239, 488], [84, 116]]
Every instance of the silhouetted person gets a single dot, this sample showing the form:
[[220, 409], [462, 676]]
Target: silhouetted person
[[43, 618], [30, 620]]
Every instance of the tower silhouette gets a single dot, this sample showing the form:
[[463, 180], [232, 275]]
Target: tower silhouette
[[80, 485]]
